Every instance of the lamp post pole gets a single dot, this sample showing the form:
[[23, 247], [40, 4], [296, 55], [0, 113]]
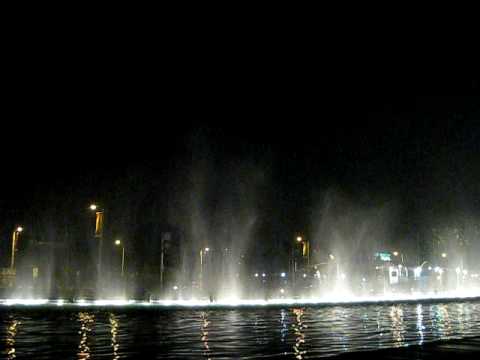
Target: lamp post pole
[[119, 243], [15, 237], [99, 219], [162, 264]]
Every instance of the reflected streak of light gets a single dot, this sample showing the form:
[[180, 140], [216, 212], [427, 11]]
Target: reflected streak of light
[[86, 325], [446, 320], [114, 331], [283, 322], [420, 326], [442, 320], [298, 328], [398, 327], [461, 319], [12, 330], [204, 333]]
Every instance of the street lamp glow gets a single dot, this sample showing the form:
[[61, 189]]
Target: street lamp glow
[[332, 257], [19, 229], [283, 275], [395, 253], [117, 242], [299, 239], [207, 249], [93, 207], [444, 255]]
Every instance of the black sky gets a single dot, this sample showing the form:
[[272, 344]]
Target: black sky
[[74, 132]]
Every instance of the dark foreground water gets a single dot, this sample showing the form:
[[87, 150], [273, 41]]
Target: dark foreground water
[[159, 333]]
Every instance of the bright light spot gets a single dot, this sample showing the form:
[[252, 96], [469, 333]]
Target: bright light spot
[[175, 288], [299, 238], [93, 207], [19, 229], [343, 276], [112, 302], [437, 269], [440, 271], [28, 302], [364, 280], [465, 272], [256, 274], [395, 253], [282, 291], [283, 275], [263, 275], [430, 268], [444, 255], [207, 249], [304, 275], [117, 242], [417, 272], [332, 257], [439, 277]]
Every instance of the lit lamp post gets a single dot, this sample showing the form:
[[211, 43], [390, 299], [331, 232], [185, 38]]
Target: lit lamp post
[[15, 237], [98, 233], [396, 253], [203, 254], [305, 248], [332, 257], [119, 243]]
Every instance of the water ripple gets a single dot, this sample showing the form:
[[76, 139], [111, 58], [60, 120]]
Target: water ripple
[[297, 332]]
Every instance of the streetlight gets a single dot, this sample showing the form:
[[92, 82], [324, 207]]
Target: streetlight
[[444, 255], [98, 233], [203, 253], [15, 237], [305, 248], [332, 257], [119, 243], [396, 253]]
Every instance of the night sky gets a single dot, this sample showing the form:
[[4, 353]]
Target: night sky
[[376, 141]]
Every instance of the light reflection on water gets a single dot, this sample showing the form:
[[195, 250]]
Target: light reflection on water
[[12, 328], [114, 323], [299, 332], [398, 328], [86, 326], [298, 327], [205, 323]]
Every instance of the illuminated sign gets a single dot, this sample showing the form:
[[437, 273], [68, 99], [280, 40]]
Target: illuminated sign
[[383, 256]]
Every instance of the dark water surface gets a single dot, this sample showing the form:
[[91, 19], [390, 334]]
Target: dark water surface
[[157, 333]]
